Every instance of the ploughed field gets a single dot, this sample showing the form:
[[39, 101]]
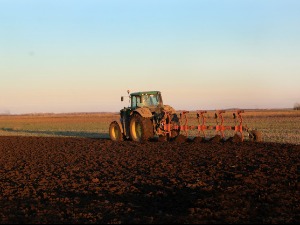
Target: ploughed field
[[94, 180]]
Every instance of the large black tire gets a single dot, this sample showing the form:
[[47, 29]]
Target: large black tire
[[256, 136], [115, 132], [141, 129]]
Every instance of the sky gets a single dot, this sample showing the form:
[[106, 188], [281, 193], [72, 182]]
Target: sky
[[60, 56]]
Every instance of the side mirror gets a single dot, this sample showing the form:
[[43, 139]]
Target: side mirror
[[122, 98]]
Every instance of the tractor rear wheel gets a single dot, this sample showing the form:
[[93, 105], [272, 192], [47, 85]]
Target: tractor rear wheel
[[115, 132], [256, 136], [141, 129]]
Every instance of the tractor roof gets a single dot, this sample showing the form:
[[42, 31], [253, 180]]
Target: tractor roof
[[145, 93]]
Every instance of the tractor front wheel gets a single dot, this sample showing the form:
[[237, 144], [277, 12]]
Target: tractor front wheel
[[141, 129], [115, 132]]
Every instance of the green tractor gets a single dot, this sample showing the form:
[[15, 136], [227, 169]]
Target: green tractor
[[145, 118]]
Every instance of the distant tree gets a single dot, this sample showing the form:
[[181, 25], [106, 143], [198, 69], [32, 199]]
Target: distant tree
[[297, 106]]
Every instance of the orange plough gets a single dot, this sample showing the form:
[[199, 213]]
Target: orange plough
[[219, 128]]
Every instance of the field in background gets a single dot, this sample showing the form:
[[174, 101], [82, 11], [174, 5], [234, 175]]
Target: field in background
[[281, 126], [94, 125]]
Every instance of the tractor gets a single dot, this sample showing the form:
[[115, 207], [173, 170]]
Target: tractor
[[147, 117]]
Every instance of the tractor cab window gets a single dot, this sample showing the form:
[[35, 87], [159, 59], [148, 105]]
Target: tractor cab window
[[135, 100], [150, 100]]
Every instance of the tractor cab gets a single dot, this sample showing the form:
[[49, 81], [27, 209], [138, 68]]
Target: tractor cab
[[151, 99]]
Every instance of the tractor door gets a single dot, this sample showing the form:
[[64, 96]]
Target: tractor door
[[135, 101]]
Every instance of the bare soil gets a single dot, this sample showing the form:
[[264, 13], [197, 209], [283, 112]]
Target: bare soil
[[84, 180]]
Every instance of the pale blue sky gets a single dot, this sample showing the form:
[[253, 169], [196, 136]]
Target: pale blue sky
[[81, 56]]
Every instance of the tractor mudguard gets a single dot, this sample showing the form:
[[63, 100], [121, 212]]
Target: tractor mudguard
[[169, 109], [144, 112]]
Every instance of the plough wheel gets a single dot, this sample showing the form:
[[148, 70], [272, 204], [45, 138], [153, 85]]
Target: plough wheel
[[256, 136], [174, 122], [141, 129]]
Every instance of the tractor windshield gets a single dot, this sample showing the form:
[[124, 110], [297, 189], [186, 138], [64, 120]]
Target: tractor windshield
[[151, 100]]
